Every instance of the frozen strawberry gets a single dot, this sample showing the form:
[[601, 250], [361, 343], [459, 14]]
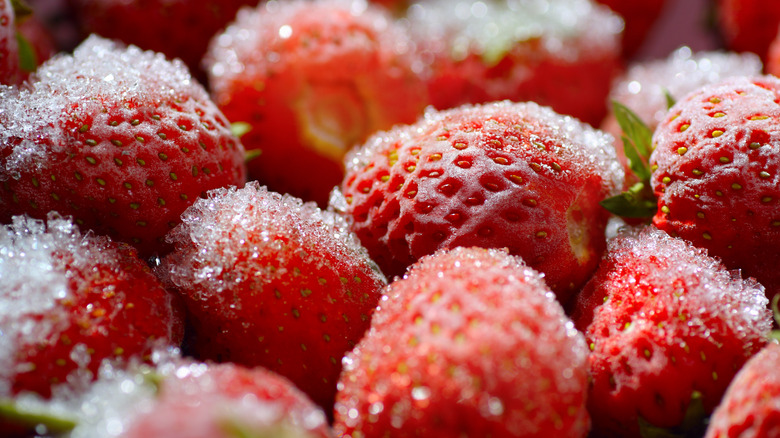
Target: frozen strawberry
[[648, 88], [68, 300], [751, 405], [748, 25], [558, 53], [172, 397], [122, 140], [177, 28], [271, 281], [638, 17], [499, 175], [470, 342], [10, 72], [228, 401], [312, 79], [716, 170], [668, 327]]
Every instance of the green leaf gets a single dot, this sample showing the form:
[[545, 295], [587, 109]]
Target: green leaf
[[636, 202], [670, 100], [21, 9], [252, 154], [239, 129], [53, 422], [637, 140], [694, 424], [28, 59]]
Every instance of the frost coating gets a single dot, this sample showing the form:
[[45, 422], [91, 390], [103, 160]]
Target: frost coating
[[644, 86], [563, 28], [234, 225], [103, 75]]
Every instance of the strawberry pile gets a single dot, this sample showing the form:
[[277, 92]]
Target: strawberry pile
[[396, 218]]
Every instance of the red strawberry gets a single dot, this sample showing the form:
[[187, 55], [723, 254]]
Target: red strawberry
[[10, 72], [666, 324], [748, 25], [563, 53], [751, 406], [638, 17], [312, 79], [178, 28], [120, 139], [512, 175], [228, 401], [717, 167], [271, 281], [470, 342], [69, 300]]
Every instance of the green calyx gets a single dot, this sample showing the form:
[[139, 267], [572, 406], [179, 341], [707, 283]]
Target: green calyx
[[35, 419], [638, 201]]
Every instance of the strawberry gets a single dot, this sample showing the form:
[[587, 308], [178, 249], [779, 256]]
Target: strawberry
[[748, 25], [751, 406], [310, 80], [667, 325], [470, 342], [274, 282], [120, 139], [172, 397], [69, 300], [773, 57], [177, 28], [10, 72], [649, 88], [716, 174], [514, 175], [227, 401], [561, 53]]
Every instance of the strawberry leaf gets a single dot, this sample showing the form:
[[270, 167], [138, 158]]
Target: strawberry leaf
[[22, 10], [28, 60], [670, 100], [32, 418], [239, 129], [637, 140], [636, 202]]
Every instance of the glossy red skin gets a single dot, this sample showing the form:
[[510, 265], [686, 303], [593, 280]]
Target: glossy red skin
[[118, 310], [179, 28], [175, 414], [639, 18], [469, 182], [462, 337], [9, 50], [748, 25], [341, 64], [735, 211], [134, 192], [578, 88], [650, 369], [750, 408]]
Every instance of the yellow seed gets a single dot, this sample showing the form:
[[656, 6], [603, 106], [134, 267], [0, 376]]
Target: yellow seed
[[665, 209], [764, 174], [724, 160], [684, 127], [736, 186], [682, 150], [718, 114], [434, 157], [541, 234], [666, 180], [716, 133], [500, 160], [755, 145], [759, 117], [714, 100], [706, 236]]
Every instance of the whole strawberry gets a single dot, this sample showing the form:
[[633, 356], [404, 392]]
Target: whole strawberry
[[69, 300], [122, 140], [751, 406], [200, 400], [668, 327], [271, 281], [717, 171], [470, 343], [513, 175], [559, 53], [312, 79], [177, 28]]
